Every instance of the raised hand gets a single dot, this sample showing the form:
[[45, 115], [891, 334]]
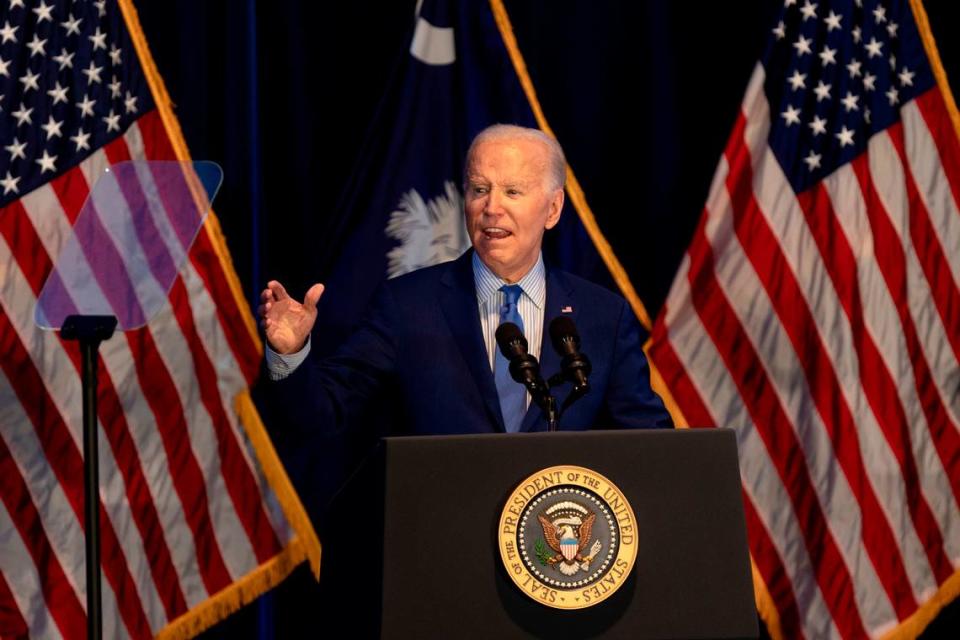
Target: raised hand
[[286, 321]]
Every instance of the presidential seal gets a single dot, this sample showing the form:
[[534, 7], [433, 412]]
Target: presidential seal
[[568, 537]]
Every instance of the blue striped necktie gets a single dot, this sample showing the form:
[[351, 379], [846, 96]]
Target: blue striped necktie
[[513, 395]]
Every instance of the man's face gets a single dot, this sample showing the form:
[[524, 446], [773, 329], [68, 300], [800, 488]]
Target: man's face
[[509, 204]]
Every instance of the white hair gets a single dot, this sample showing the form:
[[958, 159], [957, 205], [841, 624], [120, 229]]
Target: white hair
[[556, 162]]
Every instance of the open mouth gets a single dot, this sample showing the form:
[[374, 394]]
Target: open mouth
[[496, 233]]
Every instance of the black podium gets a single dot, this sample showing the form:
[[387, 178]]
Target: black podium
[[411, 543]]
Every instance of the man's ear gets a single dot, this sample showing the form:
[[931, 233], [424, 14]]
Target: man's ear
[[556, 206]]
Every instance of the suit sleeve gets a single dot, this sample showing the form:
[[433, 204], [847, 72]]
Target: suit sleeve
[[630, 400]]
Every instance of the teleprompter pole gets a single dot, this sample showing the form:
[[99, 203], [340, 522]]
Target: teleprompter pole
[[90, 331]]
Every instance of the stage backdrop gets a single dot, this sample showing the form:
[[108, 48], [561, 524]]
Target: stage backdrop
[[643, 96]]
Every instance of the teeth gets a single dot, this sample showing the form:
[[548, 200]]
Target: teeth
[[495, 230]]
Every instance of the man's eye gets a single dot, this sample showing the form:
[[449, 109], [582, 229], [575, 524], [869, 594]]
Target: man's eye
[[513, 192], [479, 190]]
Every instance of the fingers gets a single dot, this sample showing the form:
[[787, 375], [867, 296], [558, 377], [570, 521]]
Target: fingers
[[276, 293], [312, 297], [273, 293], [263, 312], [276, 290], [267, 300]]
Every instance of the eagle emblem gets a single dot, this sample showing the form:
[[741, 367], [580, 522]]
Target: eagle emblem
[[567, 537], [567, 528]]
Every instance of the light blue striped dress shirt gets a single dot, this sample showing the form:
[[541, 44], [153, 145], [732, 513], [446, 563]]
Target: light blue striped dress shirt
[[530, 305]]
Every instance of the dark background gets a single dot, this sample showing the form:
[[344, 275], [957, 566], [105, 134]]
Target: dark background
[[642, 95]]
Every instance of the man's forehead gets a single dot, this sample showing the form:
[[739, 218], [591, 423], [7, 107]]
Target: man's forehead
[[504, 179], [511, 159]]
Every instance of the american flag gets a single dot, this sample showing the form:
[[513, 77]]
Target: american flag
[[817, 312], [190, 527]]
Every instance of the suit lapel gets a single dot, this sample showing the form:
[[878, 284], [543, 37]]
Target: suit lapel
[[559, 301], [459, 304]]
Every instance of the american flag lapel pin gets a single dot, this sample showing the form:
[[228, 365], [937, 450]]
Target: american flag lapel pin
[[566, 309]]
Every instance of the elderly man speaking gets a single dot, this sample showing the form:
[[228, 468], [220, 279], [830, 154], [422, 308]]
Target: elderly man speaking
[[431, 334]]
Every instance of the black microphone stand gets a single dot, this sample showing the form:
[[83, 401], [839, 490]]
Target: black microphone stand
[[90, 331], [568, 367], [548, 404]]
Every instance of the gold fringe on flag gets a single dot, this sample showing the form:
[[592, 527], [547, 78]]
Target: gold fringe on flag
[[279, 481], [765, 606], [913, 626], [926, 35], [950, 589], [579, 201], [305, 544], [242, 592], [172, 126], [577, 198], [660, 386]]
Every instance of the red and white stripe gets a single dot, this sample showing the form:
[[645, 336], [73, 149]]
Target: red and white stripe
[[185, 510], [825, 328]]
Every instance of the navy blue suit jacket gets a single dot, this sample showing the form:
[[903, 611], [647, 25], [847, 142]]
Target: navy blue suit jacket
[[422, 337]]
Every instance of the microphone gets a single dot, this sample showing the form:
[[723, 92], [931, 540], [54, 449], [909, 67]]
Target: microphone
[[524, 368], [575, 366]]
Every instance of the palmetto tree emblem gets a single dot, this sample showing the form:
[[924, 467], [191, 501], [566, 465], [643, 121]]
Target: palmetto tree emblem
[[429, 232]]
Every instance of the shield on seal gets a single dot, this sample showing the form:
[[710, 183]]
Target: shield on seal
[[568, 547]]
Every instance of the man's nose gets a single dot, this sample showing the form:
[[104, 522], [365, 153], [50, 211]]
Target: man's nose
[[494, 203]]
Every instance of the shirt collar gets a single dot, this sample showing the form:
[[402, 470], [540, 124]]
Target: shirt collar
[[488, 283]]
